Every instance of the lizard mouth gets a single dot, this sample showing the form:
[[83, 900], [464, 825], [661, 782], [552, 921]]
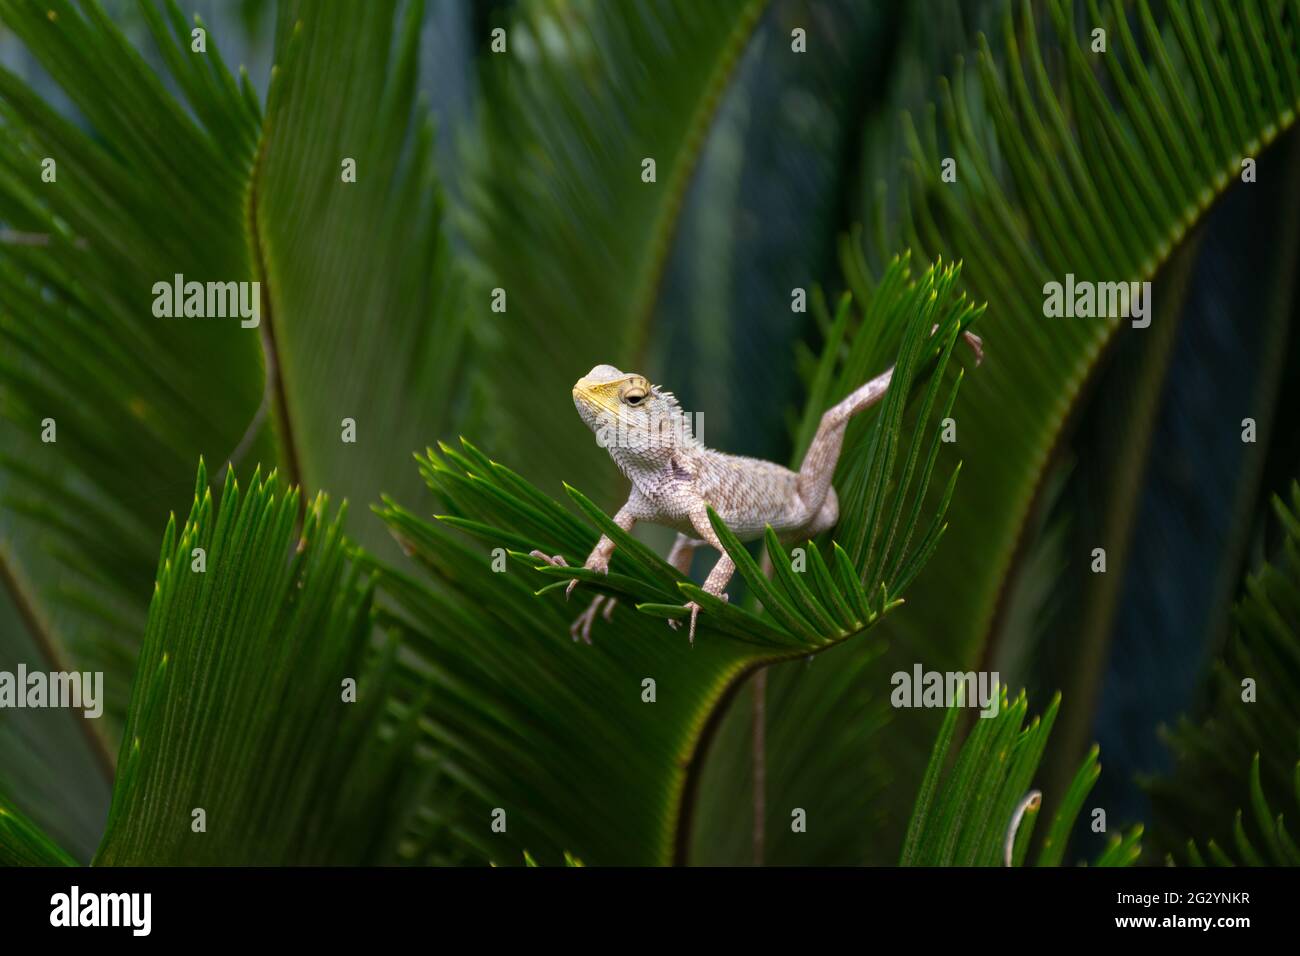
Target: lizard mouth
[[587, 396]]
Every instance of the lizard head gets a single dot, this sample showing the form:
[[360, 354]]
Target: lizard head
[[639, 423]]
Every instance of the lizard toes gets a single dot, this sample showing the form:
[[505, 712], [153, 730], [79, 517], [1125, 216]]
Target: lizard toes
[[581, 627], [554, 560], [695, 613]]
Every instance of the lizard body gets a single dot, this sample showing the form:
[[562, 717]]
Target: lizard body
[[747, 493], [675, 478]]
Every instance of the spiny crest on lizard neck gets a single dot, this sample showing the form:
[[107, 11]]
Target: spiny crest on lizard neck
[[640, 424]]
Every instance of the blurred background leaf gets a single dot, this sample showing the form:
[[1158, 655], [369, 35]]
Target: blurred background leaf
[[557, 213]]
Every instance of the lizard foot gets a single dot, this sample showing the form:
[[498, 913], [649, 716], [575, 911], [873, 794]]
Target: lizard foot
[[695, 613], [581, 627], [556, 561], [974, 341]]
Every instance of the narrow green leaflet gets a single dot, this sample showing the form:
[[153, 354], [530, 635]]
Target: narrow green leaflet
[[23, 844]]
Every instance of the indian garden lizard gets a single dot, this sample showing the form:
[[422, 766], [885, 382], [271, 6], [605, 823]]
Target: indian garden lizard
[[675, 478]]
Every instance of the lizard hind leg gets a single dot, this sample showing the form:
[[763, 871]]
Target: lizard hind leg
[[581, 627], [683, 552]]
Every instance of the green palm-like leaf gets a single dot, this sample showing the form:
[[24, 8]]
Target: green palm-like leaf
[[1071, 167], [360, 304], [559, 217], [983, 812], [240, 708], [612, 780], [80, 343], [856, 347], [366, 307]]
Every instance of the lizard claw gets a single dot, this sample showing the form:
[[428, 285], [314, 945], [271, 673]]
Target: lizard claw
[[581, 627], [695, 613], [555, 561], [601, 566]]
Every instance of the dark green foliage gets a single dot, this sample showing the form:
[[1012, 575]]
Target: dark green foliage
[[22, 844], [985, 802], [1066, 162], [1260, 735]]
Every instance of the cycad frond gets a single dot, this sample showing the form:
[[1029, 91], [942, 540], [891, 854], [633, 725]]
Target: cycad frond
[[983, 812], [497, 657], [351, 274], [360, 307], [1100, 168], [257, 700], [1056, 172]]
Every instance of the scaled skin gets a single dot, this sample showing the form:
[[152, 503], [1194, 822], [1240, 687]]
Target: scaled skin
[[675, 478]]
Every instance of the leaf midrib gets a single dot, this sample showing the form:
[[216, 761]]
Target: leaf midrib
[[275, 384], [1179, 234], [685, 161], [52, 653]]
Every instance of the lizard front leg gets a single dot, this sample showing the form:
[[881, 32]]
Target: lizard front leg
[[720, 576], [598, 560]]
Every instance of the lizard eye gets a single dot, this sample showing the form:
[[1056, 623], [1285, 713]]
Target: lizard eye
[[634, 396]]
